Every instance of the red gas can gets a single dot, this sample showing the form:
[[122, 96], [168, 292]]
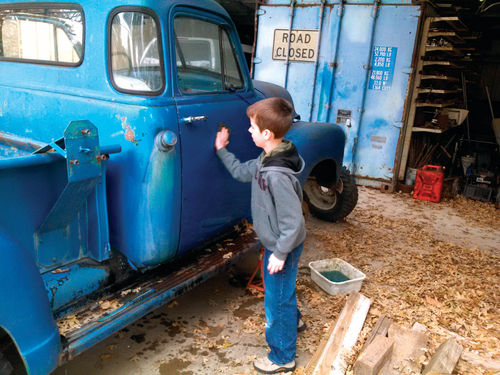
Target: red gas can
[[429, 183]]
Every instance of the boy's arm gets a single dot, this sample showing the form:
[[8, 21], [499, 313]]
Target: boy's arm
[[241, 171], [289, 214]]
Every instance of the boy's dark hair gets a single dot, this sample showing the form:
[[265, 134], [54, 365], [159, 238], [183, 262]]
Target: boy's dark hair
[[275, 114]]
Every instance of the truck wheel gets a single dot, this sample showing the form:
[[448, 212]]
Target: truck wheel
[[335, 202], [5, 366]]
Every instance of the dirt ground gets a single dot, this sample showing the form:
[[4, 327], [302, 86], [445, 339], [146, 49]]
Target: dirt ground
[[436, 264]]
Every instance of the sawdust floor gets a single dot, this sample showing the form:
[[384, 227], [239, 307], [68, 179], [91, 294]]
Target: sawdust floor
[[436, 264]]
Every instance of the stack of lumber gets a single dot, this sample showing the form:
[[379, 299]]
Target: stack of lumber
[[389, 349], [394, 350]]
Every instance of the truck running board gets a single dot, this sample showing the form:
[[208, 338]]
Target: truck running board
[[96, 321]]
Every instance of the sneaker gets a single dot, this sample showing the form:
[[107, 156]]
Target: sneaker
[[301, 326], [265, 366]]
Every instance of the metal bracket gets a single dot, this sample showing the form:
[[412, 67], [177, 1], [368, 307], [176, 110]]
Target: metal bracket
[[84, 166], [57, 145]]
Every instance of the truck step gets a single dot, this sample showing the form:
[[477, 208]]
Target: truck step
[[92, 323]]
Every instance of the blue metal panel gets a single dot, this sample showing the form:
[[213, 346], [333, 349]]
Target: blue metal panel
[[350, 79], [73, 282], [300, 72], [383, 109], [211, 199], [29, 196], [24, 309], [267, 69], [338, 89], [84, 170]]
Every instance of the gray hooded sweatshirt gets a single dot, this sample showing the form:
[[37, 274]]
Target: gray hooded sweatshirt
[[276, 196]]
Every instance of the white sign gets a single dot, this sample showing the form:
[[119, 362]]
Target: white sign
[[303, 45]]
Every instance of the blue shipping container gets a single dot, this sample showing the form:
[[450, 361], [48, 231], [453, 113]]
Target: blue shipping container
[[347, 63]]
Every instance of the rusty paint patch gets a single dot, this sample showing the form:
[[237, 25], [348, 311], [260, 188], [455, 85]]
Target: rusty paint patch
[[129, 132]]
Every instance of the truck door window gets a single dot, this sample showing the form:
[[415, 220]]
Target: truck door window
[[48, 34], [205, 57], [136, 62]]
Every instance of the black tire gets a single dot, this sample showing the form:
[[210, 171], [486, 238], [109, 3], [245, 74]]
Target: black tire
[[5, 366], [332, 203]]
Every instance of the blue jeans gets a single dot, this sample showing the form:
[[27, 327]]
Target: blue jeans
[[280, 304]]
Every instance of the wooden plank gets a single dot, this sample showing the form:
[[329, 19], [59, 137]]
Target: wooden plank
[[317, 354], [344, 335], [428, 130], [380, 328], [437, 91], [440, 48], [449, 64], [445, 358], [441, 77], [479, 361], [375, 356], [437, 105]]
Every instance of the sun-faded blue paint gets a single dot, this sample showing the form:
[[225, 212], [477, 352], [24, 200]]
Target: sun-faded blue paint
[[349, 33], [73, 282], [36, 262]]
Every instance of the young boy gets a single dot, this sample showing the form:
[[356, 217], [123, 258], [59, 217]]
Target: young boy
[[277, 218]]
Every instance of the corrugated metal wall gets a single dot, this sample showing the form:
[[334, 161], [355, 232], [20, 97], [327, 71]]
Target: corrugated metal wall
[[347, 64]]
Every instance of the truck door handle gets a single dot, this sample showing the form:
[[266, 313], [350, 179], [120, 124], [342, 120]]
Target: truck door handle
[[191, 119]]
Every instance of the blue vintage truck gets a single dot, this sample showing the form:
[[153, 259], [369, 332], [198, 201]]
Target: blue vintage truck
[[113, 200]]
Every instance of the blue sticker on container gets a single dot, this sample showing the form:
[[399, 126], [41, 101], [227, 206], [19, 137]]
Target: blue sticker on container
[[382, 68]]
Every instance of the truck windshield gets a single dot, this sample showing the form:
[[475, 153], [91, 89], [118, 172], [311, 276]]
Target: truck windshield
[[45, 35], [136, 64]]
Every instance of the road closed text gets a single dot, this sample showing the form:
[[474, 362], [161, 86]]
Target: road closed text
[[299, 45]]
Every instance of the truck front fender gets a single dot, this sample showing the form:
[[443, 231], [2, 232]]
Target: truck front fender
[[319, 144], [24, 309]]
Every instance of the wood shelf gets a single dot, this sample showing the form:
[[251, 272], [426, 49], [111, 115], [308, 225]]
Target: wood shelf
[[441, 48], [452, 36], [448, 64], [437, 105], [427, 130], [444, 52], [453, 22], [437, 91], [435, 76]]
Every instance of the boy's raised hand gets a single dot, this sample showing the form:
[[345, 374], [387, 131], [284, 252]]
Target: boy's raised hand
[[222, 138], [275, 265]]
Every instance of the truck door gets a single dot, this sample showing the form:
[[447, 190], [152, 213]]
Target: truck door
[[212, 88]]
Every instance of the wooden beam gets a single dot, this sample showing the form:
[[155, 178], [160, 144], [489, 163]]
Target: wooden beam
[[445, 358], [344, 335], [376, 355], [409, 347], [317, 354], [380, 328], [479, 361]]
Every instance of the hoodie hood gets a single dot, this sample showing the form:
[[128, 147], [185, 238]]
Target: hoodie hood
[[283, 156]]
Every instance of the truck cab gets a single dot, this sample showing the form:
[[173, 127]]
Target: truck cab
[[145, 84]]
